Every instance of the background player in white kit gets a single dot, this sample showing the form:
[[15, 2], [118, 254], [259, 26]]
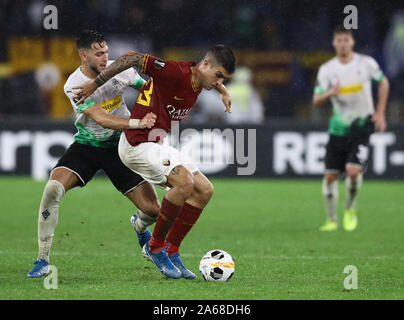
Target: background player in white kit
[[347, 81], [99, 120]]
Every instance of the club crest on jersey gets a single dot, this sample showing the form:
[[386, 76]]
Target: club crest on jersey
[[115, 83], [166, 162], [159, 64], [177, 114]]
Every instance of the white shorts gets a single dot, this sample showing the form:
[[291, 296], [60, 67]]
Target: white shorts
[[152, 161]]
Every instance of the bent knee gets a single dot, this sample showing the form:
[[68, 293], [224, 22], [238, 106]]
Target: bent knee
[[207, 190]]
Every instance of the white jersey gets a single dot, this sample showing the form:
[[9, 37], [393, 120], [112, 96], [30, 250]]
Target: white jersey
[[355, 97], [109, 97]]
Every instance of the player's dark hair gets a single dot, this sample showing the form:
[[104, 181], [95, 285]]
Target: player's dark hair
[[224, 56], [86, 37], [341, 30]]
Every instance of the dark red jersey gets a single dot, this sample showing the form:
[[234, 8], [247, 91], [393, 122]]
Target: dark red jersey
[[169, 94]]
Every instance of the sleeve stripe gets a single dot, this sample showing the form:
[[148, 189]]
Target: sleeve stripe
[[138, 84], [319, 90], [380, 78], [144, 64]]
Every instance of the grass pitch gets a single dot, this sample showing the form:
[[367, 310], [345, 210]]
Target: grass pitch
[[270, 227]]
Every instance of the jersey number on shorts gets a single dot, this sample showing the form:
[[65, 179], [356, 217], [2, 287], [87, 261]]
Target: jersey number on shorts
[[145, 96]]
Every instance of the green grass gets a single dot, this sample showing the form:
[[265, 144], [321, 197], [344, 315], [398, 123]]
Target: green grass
[[268, 226]]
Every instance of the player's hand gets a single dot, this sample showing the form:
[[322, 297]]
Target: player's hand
[[148, 121], [226, 99], [84, 90], [380, 121], [334, 90]]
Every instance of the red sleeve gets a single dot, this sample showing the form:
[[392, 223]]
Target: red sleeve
[[164, 70]]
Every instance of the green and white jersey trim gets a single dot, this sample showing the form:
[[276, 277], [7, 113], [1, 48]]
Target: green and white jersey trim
[[110, 98]]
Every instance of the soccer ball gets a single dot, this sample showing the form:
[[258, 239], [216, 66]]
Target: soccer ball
[[216, 265]]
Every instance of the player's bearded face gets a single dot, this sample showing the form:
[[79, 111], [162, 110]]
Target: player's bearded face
[[343, 44], [97, 57]]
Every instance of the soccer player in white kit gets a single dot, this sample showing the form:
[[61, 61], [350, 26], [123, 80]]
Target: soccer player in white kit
[[100, 120], [346, 80]]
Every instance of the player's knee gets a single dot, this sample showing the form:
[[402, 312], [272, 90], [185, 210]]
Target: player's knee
[[53, 192], [331, 177], [353, 172], [206, 191]]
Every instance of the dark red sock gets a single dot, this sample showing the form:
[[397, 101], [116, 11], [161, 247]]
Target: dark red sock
[[181, 226], [168, 213]]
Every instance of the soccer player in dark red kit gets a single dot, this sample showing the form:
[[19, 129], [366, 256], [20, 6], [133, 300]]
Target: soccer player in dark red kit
[[170, 93]]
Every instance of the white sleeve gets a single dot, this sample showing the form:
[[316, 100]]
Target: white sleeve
[[375, 73], [322, 82], [131, 78]]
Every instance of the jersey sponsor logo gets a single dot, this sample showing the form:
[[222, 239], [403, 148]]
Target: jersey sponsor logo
[[177, 114], [112, 104], [177, 98], [354, 88], [159, 64]]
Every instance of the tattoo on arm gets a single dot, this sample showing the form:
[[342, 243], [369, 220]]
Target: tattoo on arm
[[130, 59]]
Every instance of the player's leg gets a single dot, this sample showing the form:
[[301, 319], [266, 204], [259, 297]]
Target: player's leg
[[190, 212], [357, 160], [136, 189], [145, 198], [181, 182], [60, 181], [330, 194], [188, 216], [74, 168], [334, 162], [146, 160], [353, 182]]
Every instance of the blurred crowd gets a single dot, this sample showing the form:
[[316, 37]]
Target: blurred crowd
[[296, 27]]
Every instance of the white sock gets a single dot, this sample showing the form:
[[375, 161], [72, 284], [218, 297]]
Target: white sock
[[352, 188], [330, 193], [143, 221], [48, 217]]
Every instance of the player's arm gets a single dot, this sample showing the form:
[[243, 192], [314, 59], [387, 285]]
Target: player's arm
[[128, 60], [226, 98], [106, 120], [319, 98], [379, 117]]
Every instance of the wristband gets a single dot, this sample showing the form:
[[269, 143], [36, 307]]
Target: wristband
[[134, 123]]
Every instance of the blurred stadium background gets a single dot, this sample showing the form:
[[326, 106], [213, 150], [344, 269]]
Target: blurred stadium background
[[269, 226], [279, 47]]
